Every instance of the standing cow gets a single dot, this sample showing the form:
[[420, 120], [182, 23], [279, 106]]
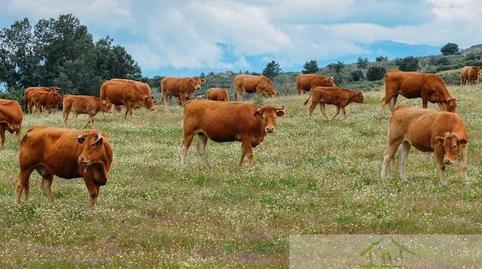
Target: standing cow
[[470, 75], [225, 122], [83, 104], [442, 133], [304, 82], [218, 94], [66, 153], [428, 86], [253, 84], [127, 93], [10, 119], [182, 88], [27, 95], [339, 97]]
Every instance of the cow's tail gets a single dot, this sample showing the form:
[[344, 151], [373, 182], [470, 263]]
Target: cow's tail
[[307, 100]]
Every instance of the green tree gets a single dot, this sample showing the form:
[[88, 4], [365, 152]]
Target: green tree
[[356, 75], [376, 73], [336, 67], [407, 64], [380, 59], [362, 63], [310, 67], [272, 69], [449, 49]]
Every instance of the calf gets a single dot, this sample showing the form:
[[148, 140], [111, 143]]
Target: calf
[[48, 100], [66, 153], [82, 104], [443, 133], [218, 94], [226, 122], [10, 119], [339, 97]]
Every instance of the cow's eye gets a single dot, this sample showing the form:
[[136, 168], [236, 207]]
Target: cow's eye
[[454, 146]]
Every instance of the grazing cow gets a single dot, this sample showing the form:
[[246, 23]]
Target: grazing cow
[[27, 95], [470, 75], [304, 82], [127, 93], [145, 88], [48, 100], [83, 104], [66, 153], [182, 88], [10, 119], [339, 97], [443, 133], [218, 94], [225, 122], [253, 84], [414, 85]]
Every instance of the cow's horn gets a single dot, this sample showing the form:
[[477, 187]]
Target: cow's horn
[[280, 108], [99, 137]]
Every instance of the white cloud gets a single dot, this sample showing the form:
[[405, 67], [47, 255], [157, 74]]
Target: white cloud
[[187, 34]]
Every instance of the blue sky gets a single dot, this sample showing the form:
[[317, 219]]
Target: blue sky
[[190, 37]]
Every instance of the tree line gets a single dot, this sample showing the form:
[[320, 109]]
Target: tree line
[[61, 52]]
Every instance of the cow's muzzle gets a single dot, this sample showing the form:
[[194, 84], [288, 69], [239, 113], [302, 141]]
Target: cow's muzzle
[[83, 161], [269, 129], [448, 161]]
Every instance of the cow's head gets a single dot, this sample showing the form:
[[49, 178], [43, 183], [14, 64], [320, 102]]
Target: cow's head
[[332, 79], [267, 115], [197, 82], [453, 146], [11, 127], [357, 97], [105, 105], [450, 105], [92, 160], [267, 89], [149, 102]]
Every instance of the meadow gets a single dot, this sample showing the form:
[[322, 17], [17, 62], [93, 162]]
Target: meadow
[[312, 176]]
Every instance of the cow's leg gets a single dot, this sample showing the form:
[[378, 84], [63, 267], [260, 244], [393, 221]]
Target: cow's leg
[[202, 140], [239, 96], [322, 110], [463, 167], [344, 112], [439, 156], [440, 106], [243, 153], [186, 143], [47, 179], [2, 135], [128, 110], [337, 112], [91, 120], [312, 107], [248, 151], [404, 150], [393, 102], [388, 97], [93, 192], [22, 185], [388, 156], [18, 133], [66, 116], [424, 102]]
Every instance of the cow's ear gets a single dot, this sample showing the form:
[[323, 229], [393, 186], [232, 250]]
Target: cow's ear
[[98, 141], [440, 139], [81, 138], [463, 141], [258, 112]]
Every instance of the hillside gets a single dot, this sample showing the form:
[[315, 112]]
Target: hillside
[[312, 176]]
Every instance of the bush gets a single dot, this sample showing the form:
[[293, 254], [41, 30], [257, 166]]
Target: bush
[[407, 64], [449, 49], [356, 75], [376, 73]]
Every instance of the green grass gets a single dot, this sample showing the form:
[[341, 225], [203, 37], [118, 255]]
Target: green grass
[[312, 176]]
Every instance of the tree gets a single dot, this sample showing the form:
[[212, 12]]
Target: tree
[[356, 75], [407, 64], [362, 63], [380, 59], [272, 69], [449, 49], [337, 67], [376, 73], [310, 67]]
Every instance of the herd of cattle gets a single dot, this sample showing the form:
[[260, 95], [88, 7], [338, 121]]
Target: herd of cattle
[[71, 153]]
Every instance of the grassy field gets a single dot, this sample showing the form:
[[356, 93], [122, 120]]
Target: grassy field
[[312, 176]]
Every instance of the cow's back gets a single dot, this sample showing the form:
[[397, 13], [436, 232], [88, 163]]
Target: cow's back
[[10, 111]]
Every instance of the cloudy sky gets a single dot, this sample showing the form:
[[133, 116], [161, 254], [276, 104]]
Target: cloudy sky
[[189, 37]]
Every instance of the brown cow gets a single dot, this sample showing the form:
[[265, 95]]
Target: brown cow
[[416, 84], [182, 88], [253, 84], [83, 104], [27, 95], [218, 94], [142, 85], [66, 153], [10, 119], [443, 133], [304, 82], [126, 93], [225, 122], [48, 100], [470, 75], [339, 97]]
